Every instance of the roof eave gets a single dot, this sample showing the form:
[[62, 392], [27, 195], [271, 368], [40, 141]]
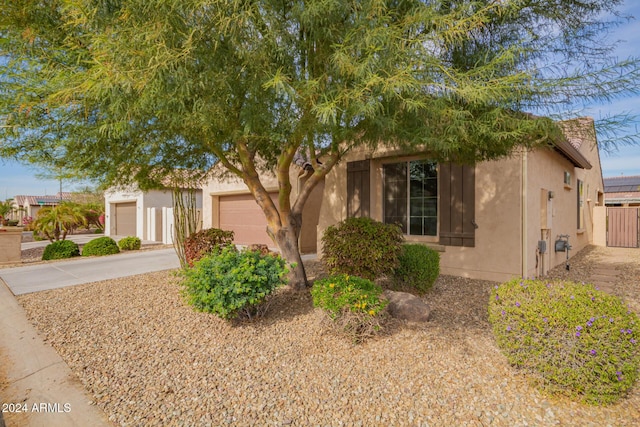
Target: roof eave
[[572, 154]]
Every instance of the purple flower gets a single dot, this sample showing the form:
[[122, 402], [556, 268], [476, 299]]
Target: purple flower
[[497, 297], [611, 320], [578, 334], [589, 324], [593, 319], [629, 331], [544, 319], [578, 328], [517, 304], [619, 375], [503, 312], [593, 299], [593, 352], [633, 341], [508, 328], [572, 297]]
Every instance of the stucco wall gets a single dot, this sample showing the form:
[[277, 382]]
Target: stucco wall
[[506, 241]]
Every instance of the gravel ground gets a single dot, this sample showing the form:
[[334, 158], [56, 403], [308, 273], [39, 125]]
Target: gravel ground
[[148, 360]]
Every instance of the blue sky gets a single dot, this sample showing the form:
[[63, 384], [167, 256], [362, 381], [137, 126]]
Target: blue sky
[[17, 179]]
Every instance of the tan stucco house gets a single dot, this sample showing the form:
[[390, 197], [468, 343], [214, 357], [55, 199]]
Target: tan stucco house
[[494, 220]]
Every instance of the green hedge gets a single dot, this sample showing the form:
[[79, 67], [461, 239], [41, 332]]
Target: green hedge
[[100, 246], [61, 249], [419, 267], [130, 243]]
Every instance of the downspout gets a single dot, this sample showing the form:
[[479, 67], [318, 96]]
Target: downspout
[[523, 192]]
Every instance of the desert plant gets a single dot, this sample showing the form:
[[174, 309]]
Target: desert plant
[[355, 305], [60, 249], [55, 222], [419, 267], [573, 339], [229, 282], [362, 247], [130, 243], [100, 246], [205, 242]]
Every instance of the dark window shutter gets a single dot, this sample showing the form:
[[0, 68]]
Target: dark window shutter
[[457, 208], [358, 189]]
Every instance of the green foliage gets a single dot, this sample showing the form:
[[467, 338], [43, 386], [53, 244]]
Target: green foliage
[[228, 282], [362, 247], [129, 243], [355, 305], [205, 242], [101, 246], [419, 266], [60, 249], [55, 222], [574, 340]]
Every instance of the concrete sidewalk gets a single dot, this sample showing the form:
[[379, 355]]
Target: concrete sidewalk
[[40, 384], [52, 275]]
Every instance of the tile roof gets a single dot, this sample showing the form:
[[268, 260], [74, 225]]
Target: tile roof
[[41, 200]]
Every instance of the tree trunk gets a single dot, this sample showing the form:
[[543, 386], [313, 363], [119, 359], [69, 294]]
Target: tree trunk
[[286, 237]]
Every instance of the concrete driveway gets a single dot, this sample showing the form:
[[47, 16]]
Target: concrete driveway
[[40, 277]]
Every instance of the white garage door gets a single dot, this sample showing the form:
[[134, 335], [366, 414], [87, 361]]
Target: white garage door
[[126, 219], [241, 214]]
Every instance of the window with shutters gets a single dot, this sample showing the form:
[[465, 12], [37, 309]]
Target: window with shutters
[[411, 196]]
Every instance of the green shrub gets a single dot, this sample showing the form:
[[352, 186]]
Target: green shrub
[[355, 305], [419, 267], [575, 340], [362, 247], [100, 246], [228, 282], [61, 249], [98, 231], [205, 242], [130, 243]]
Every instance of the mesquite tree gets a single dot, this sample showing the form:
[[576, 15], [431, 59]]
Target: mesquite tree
[[117, 89]]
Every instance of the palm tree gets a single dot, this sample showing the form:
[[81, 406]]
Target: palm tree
[[56, 221], [6, 208]]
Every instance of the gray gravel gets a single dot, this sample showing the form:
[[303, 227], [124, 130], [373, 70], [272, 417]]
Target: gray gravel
[[148, 360]]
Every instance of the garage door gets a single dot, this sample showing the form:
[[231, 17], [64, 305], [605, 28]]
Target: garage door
[[241, 214], [126, 219]]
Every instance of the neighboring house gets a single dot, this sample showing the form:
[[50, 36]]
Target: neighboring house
[[28, 206], [622, 191], [494, 220], [147, 215]]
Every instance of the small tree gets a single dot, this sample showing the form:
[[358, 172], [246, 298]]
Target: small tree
[[55, 222]]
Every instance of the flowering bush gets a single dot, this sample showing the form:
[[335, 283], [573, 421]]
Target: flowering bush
[[575, 340], [355, 305], [228, 282]]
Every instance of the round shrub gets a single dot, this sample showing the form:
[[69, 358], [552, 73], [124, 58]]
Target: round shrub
[[205, 242], [61, 249], [228, 282], [574, 340], [100, 246], [130, 243], [419, 267], [362, 247], [355, 305]]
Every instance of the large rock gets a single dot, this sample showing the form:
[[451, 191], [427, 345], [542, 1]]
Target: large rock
[[408, 307]]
